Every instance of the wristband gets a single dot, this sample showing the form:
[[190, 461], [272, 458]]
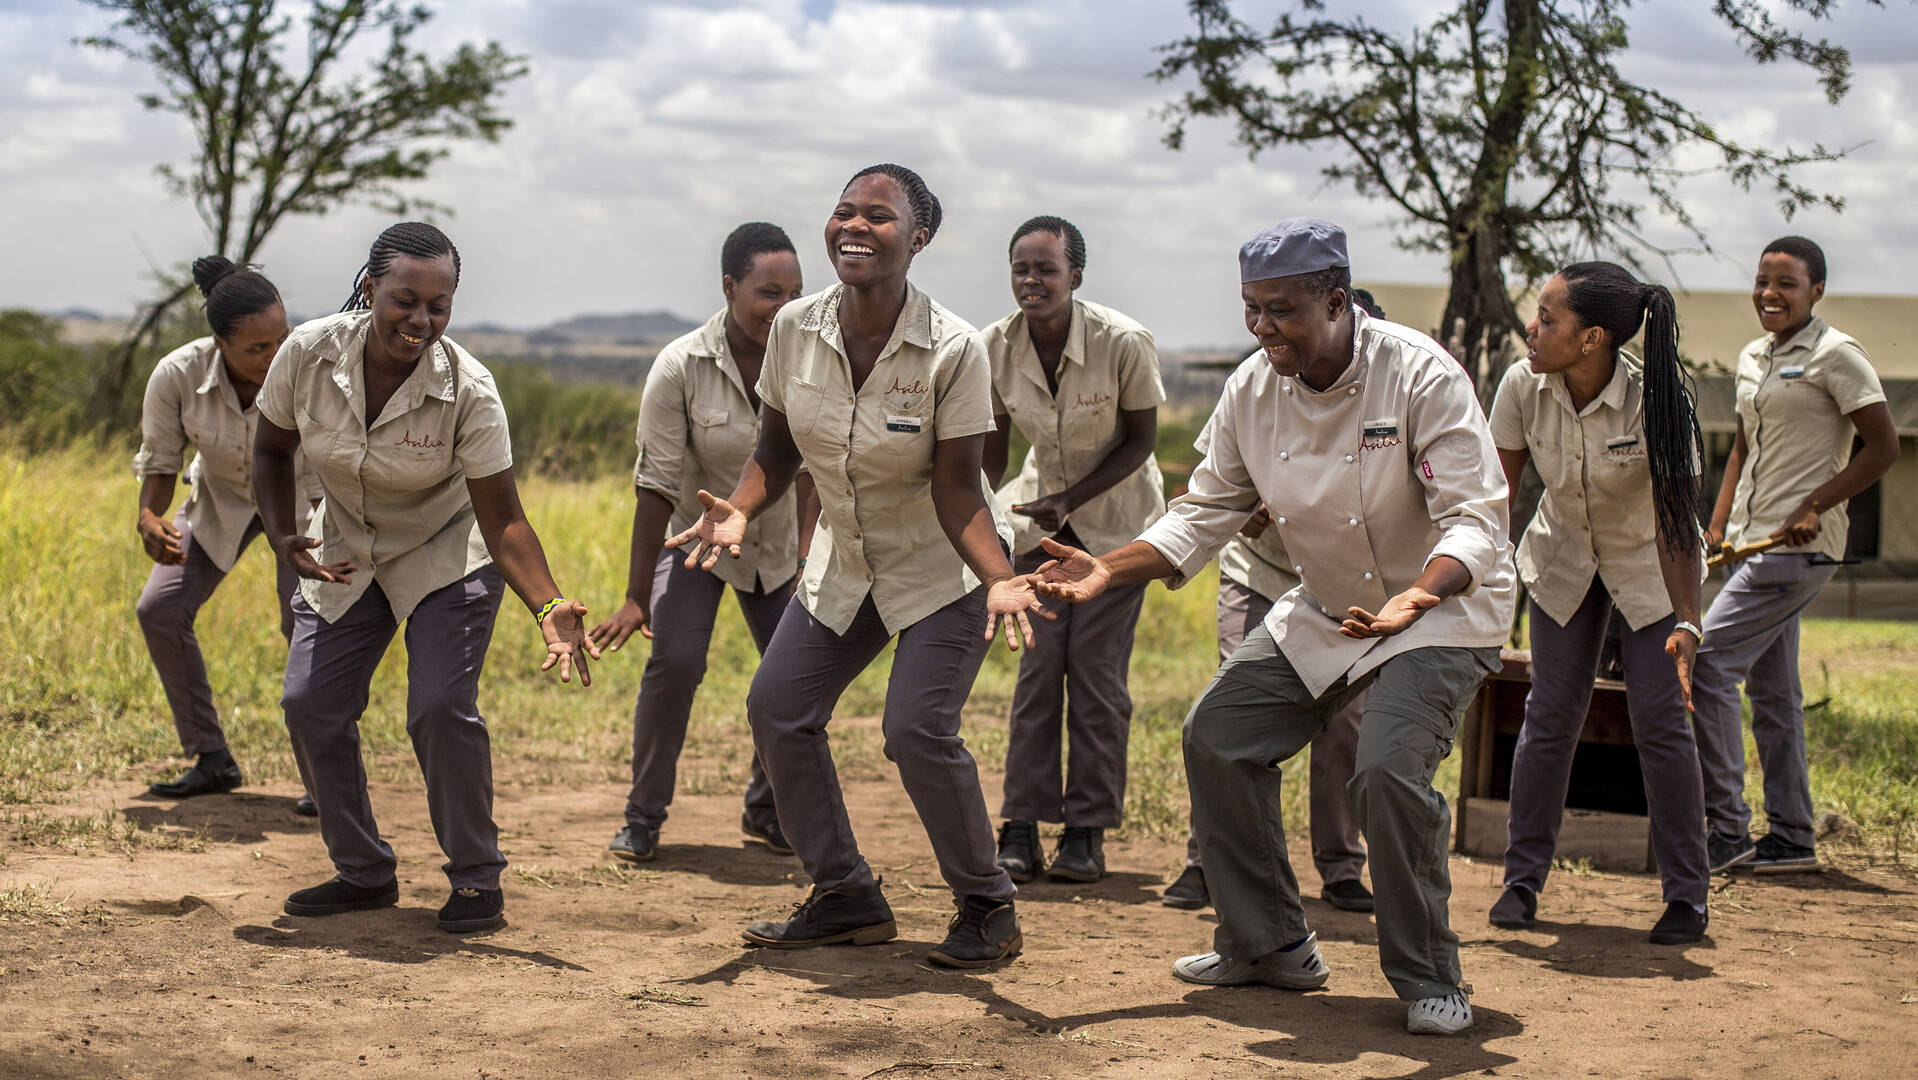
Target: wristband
[[1693, 629], [540, 619]]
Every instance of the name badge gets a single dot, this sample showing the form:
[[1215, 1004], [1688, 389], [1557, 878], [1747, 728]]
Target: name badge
[[1795, 371], [1621, 442], [1382, 428], [904, 423]]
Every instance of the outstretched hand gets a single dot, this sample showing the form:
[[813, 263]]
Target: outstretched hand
[[1010, 600], [297, 552], [1398, 613], [624, 623], [1073, 575], [566, 642], [721, 527]]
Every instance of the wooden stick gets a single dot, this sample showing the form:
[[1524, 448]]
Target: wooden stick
[[1744, 551]]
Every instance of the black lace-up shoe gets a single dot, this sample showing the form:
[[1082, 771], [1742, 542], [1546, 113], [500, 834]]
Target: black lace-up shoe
[[767, 834], [337, 896], [635, 843], [1724, 852], [212, 774], [1348, 895], [1081, 856], [470, 909], [1019, 850], [1517, 909], [1681, 924], [849, 916], [305, 807], [1189, 892], [983, 933], [1774, 856]]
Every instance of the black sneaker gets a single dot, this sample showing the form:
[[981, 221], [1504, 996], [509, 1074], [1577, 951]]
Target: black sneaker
[[305, 807], [767, 834], [1681, 924], [471, 909], [337, 896], [1081, 856], [1724, 852], [851, 916], [983, 933], [212, 774], [635, 843], [1348, 895], [1772, 855], [1517, 909], [1019, 850], [1189, 892]]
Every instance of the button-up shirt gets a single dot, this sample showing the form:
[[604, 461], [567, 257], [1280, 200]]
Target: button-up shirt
[[1795, 400], [1260, 562], [1596, 516], [697, 427], [1367, 482], [190, 398], [396, 501], [870, 453], [1109, 366]]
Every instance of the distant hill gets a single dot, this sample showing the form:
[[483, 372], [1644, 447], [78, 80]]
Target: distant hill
[[638, 326]]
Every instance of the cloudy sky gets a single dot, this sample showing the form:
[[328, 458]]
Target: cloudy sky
[[645, 131]]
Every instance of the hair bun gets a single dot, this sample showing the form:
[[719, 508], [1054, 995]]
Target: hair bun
[[210, 270]]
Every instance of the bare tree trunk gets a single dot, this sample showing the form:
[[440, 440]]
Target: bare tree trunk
[[109, 386]]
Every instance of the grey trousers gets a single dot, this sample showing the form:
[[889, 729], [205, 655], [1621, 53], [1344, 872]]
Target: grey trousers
[[168, 607], [1751, 636], [685, 604], [800, 678], [328, 673], [1075, 672], [1564, 660], [1252, 717], [1338, 851]]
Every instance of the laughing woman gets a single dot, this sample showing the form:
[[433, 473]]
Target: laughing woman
[[421, 525], [886, 398], [698, 422], [1081, 382]]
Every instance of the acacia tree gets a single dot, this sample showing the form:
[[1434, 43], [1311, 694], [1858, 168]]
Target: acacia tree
[[1504, 131], [275, 137]]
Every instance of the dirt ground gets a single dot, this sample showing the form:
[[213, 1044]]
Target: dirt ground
[[179, 962]]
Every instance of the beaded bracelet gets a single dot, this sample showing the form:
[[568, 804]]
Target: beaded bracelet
[[540, 619]]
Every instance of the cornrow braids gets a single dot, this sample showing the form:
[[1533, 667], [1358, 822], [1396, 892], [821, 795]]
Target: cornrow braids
[[1804, 251], [1065, 230], [926, 211], [748, 242], [1607, 296], [233, 293], [414, 238]]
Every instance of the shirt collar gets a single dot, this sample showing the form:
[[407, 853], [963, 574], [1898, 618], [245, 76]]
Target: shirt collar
[[1354, 373], [216, 380], [914, 326], [710, 342], [1806, 337], [435, 376]]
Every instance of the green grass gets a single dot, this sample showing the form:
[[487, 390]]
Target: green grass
[[79, 702]]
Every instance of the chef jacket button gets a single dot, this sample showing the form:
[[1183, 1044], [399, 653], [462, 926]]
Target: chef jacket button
[[1299, 570], [1368, 575], [1351, 521], [1353, 390], [1281, 519], [1348, 457], [1283, 455]]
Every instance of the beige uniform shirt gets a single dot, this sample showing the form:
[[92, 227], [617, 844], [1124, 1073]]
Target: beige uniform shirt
[[870, 454], [1109, 365], [697, 427], [396, 501], [1258, 563], [1796, 400], [1367, 482], [1597, 515], [189, 398]]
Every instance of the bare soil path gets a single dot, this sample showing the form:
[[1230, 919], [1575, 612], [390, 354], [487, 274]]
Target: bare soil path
[[179, 963]]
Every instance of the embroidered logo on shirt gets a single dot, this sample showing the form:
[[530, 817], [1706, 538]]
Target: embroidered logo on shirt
[[424, 442], [1080, 401], [1380, 433], [1426, 468], [913, 387]]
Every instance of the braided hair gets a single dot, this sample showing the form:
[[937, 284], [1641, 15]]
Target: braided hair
[[1065, 230], [233, 293], [1607, 296], [414, 238], [748, 242], [926, 211], [1804, 251]]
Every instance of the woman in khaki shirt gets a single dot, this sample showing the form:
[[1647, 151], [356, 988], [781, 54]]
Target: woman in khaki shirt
[[886, 399], [421, 525], [203, 393], [698, 422], [1081, 382], [1616, 444]]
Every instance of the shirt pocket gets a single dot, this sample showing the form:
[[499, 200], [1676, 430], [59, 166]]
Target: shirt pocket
[[407, 460], [906, 437], [719, 441], [1087, 431], [803, 403]]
